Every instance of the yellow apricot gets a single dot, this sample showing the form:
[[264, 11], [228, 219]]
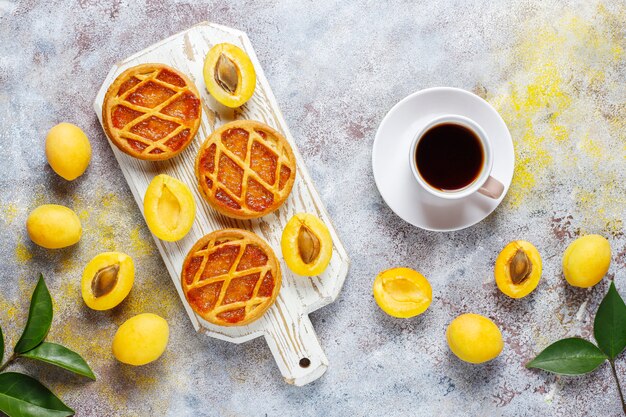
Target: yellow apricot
[[402, 292], [107, 280], [68, 150], [518, 269], [229, 75], [169, 208], [586, 261], [306, 245], [141, 339], [474, 338], [52, 226]]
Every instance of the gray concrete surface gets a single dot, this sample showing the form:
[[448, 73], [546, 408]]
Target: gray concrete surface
[[555, 70]]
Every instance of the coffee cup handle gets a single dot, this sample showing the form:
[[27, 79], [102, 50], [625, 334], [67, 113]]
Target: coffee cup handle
[[492, 188]]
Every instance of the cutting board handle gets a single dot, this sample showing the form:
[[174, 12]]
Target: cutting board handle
[[295, 347]]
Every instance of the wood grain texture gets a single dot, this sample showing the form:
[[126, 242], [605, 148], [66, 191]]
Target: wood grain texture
[[286, 325]]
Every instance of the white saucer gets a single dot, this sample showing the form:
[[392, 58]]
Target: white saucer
[[392, 172]]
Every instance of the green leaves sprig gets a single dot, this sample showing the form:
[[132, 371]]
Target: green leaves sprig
[[22, 395], [576, 356]]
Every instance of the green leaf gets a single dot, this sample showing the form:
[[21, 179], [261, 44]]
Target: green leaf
[[609, 326], [23, 396], [573, 356], [39, 318], [62, 357]]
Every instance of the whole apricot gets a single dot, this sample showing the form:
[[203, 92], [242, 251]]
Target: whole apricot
[[52, 226], [518, 269], [107, 280], [586, 261], [141, 339], [306, 245], [474, 338], [402, 292], [169, 208], [68, 150]]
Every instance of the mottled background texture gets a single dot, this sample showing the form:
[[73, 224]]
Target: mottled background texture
[[555, 70]]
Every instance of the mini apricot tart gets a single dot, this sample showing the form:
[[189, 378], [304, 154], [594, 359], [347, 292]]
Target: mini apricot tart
[[306, 244], [151, 112], [231, 277], [245, 169], [402, 292], [229, 75], [107, 280], [169, 208], [518, 269]]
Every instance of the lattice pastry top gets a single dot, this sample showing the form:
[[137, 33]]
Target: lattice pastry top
[[230, 277], [245, 169], [151, 111]]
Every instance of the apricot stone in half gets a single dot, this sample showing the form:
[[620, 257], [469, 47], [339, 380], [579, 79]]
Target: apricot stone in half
[[169, 208], [586, 261], [402, 292], [306, 244], [474, 338], [518, 269], [229, 75], [107, 280]]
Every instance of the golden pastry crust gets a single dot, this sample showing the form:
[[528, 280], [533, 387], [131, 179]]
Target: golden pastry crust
[[151, 112], [245, 169], [230, 277]]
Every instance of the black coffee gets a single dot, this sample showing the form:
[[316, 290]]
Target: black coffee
[[449, 156]]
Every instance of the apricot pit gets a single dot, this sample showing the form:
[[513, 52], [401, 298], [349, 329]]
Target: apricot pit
[[169, 208], [107, 280], [306, 244], [518, 269]]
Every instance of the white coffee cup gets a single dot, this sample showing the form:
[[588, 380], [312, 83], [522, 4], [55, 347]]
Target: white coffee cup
[[484, 183]]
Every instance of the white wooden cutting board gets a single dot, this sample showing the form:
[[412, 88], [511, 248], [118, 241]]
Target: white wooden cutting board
[[286, 325]]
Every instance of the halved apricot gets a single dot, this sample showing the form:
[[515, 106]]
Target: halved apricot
[[229, 75], [107, 280], [518, 269], [169, 208], [402, 292], [306, 244]]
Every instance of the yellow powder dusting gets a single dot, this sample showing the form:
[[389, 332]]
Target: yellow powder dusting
[[9, 212], [141, 246], [83, 215], [559, 132], [592, 148], [22, 254], [551, 101], [614, 227], [150, 295], [7, 311], [603, 208]]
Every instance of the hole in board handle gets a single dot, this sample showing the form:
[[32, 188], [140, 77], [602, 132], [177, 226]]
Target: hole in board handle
[[305, 362]]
